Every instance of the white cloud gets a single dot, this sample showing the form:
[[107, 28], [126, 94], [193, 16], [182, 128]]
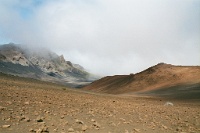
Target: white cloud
[[112, 36]]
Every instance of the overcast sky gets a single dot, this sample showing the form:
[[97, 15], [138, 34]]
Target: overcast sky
[[107, 37]]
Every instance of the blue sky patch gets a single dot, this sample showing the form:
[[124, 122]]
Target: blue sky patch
[[25, 13]]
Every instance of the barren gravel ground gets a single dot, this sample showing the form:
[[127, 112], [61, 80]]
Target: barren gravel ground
[[28, 105]]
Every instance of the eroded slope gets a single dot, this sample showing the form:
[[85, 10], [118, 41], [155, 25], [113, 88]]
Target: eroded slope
[[156, 77]]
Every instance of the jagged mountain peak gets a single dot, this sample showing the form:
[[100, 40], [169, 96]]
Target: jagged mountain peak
[[49, 65], [62, 59]]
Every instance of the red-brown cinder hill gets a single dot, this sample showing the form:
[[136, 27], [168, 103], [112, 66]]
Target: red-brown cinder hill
[[156, 77]]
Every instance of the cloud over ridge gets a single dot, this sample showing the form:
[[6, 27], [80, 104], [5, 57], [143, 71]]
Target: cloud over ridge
[[108, 36]]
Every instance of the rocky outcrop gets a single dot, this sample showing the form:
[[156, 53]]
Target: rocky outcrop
[[42, 64], [2, 57]]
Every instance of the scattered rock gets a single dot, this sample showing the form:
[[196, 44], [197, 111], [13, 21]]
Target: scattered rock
[[6, 126], [165, 127], [96, 125], [9, 102], [68, 113], [27, 119], [70, 130], [21, 118], [66, 123], [39, 131], [178, 129], [32, 130], [26, 103], [39, 119], [62, 117], [45, 129], [92, 120], [2, 108], [168, 104], [56, 129], [136, 130], [84, 127], [79, 121], [47, 111]]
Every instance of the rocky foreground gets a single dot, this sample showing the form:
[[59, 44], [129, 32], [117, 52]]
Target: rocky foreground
[[28, 105]]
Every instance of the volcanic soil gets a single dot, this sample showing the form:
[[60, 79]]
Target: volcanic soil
[[161, 77], [28, 105]]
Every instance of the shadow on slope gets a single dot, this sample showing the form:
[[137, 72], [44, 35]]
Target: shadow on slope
[[180, 92], [29, 71]]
